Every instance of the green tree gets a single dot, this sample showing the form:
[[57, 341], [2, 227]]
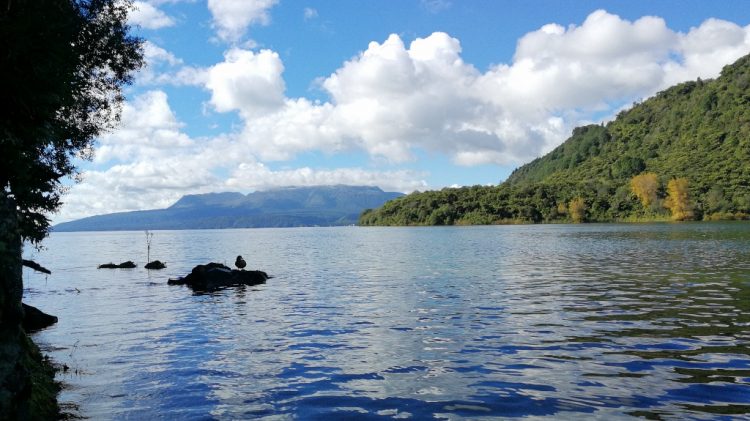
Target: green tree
[[714, 200], [62, 66]]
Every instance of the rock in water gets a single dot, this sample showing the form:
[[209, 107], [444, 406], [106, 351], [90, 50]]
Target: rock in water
[[156, 264], [35, 319], [123, 265], [215, 275]]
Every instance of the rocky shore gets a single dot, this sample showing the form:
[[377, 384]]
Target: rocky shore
[[27, 380]]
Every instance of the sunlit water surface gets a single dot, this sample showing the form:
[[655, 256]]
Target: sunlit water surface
[[558, 321]]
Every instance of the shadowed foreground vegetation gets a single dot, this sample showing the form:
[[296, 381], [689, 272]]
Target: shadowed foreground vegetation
[[64, 63]]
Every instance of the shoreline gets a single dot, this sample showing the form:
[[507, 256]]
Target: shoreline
[[565, 222]]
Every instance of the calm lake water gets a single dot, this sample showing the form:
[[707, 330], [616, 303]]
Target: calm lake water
[[545, 321]]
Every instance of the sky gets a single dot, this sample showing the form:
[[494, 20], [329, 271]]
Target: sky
[[248, 95]]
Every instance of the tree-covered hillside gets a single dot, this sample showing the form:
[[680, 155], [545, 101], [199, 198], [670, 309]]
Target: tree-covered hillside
[[683, 154]]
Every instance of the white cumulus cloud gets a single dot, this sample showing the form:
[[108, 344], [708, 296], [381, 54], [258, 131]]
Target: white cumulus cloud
[[232, 17], [148, 16], [247, 82], [257, 176], [706, 49], [157, 61], [145, 184], [148, 129], [392, 99], [153, 54]]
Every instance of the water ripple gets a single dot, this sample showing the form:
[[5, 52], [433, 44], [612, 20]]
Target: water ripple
[[600, 321]]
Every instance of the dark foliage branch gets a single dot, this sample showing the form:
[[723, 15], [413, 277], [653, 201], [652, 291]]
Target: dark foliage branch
[[64, 63]]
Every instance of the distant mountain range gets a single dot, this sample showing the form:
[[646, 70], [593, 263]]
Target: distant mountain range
[[281, 207]]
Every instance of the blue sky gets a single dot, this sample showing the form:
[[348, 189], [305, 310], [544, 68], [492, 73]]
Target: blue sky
[[245, 95]]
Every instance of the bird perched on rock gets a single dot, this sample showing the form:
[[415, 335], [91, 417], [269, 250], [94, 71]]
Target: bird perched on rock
[[240, 263]]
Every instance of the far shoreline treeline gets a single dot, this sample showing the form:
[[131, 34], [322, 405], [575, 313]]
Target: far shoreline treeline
[[683, 154]]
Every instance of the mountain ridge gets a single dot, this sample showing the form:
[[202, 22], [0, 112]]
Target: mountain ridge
[[279, 207]]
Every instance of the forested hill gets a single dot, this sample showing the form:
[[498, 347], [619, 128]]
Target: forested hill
[[699, 130], [682, 154]]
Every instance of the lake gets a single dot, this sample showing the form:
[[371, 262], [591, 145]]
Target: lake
[[545, 321]]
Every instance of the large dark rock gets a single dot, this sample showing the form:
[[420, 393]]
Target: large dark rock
[[215, 275], [123, 265], [35, 319], [156, 264]]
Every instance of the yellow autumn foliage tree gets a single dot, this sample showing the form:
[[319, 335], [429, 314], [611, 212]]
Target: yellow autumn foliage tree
[[645, 186], [678, 199], [577, 210]]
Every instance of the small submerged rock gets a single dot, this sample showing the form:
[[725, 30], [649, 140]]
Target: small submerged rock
[[156, 264], [123, 265], [216, 275]]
